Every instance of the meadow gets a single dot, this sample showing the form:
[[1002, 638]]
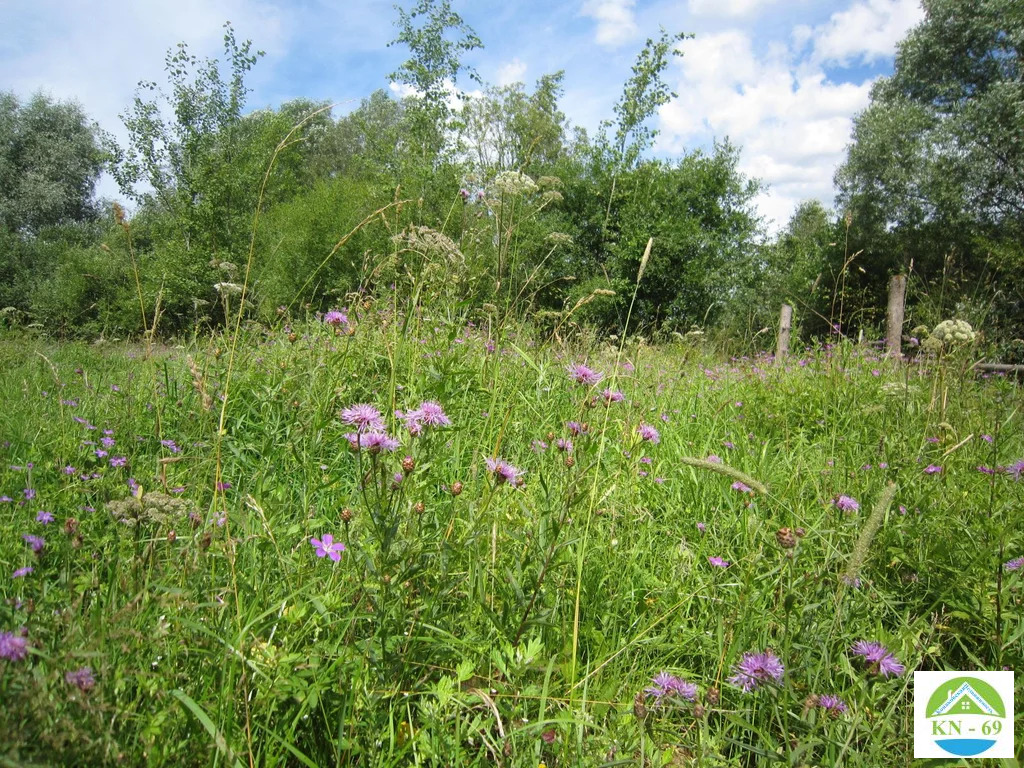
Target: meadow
[[387, 538]]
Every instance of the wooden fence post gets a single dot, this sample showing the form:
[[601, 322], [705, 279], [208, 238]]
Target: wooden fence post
[[785, 326], [894, 315]]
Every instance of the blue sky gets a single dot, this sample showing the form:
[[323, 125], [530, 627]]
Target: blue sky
[[780, 78]]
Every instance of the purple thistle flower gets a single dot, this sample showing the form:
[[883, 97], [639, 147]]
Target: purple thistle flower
[[564, 444], [170, 445], [742, 487], [365, 418], [727, 444], [22, 572], [754, 669], [118, 461], [5, 499], [336, 318], [575, 428], [1016, 469], [504, 472], [718, 562], [987, 438], [1014, 565], [100, 453], [13, 647], [431, 414], [69, 470], [846, 503], [30, 493], [108, 442], [701, 527], [223, 485], [713, 459], [932, 469], [373, 442], [612, 396], [665, 684], [328, 547], [879, 658], [649, 433], [831, 704], [583, 375], [35, 542], [44, 517], [538, 446], [81, 679]]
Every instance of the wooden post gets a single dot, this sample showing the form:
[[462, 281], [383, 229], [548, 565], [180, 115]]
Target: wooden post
[[785, 326], [894, 315]]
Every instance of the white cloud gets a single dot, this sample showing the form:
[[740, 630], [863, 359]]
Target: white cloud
[[511, 72], [866, 31], [455, 97], [732, 8], [616, 22], [791, 122]]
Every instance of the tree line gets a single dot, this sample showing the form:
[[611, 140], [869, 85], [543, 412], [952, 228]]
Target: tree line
[[498, 199]]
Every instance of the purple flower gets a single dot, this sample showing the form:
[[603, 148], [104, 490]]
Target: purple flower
[[108, 442], [701, 527], [170, 445], [831, 704], [564, 444], [69, 470], [504, 472], [846, 503], [718, 562], [44, 517], [1014, 565], [612, 396], [757, 668], [35, 542], [649, 433], [932, 469], [13, 647], [223, 485], [30, 493], [987, 438], [100, 453], [665, 684], [365, 418], [713, 459], [373, 442], [742, 487], [1016, 469], [431, 414], [538, 446], [118, 461], [328, 547], [880, 660], [581, 374], [728, 444], [575, 428], [22, 572], [5, 499], [81, 679], [336, 318]]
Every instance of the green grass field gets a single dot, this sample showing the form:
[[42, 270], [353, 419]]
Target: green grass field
[[743, 527]]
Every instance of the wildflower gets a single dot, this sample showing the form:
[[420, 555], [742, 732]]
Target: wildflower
[[374, 442], [108, 442], [538, 446], [81, 679], [987, 438], [118, 461], [504, 472], [22, 572], [328, 547], [44, 517], [701, 527], [665, 684], [833, 705], [6, 499], [100, 453], [13, 647], [846, 503], [880, 660], [576, 428], [431, 414], [932, 469], [612, 396], [985, 470], [851, 581], [564, 444], [741, 487], [1014, 565], [170, 445], [713, 459], [336, 318], [35, 542], [1016, 469], [649, 433], [757, 668], [581, 374], [728, 444], [223, 485], [69, 470], [718, 562], [30, 493], [363, 417]]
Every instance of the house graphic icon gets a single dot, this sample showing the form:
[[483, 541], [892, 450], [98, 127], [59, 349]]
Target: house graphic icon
[[965, 701]]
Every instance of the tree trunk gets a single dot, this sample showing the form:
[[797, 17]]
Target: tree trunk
[[894, 315]]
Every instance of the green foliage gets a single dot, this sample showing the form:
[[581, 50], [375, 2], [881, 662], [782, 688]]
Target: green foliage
[[479, 623], [50, 161]]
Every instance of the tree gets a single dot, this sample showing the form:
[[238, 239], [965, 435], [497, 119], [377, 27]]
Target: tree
[[936, 167], [50, 160]]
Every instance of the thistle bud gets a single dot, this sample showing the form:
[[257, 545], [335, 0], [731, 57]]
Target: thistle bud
[[171, 536], [293, 337], [70, 526], [408, 464], [785, 538], [456, 488], [346, 515], [419, 507]]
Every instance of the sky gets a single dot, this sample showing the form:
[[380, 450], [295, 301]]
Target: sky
[[781, 79]]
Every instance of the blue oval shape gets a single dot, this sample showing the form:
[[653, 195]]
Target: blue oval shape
[[965, 747]]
